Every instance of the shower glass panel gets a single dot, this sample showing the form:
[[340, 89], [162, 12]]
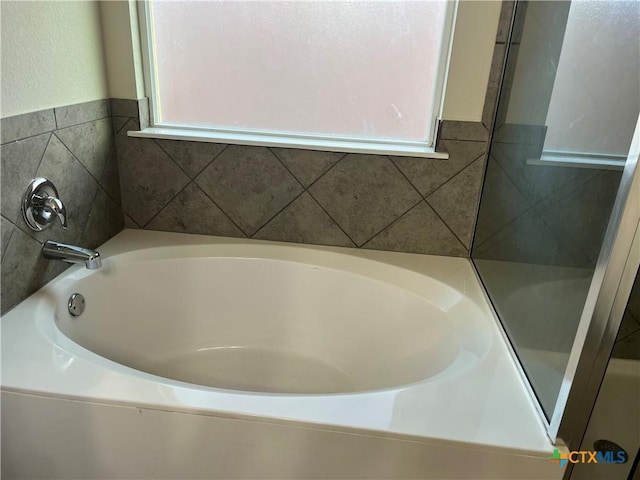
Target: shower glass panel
[[565, 119]]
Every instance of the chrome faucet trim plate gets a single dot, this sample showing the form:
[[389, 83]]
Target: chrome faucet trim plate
[[41, 205]]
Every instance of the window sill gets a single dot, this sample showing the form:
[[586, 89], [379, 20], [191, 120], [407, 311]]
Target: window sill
[[405, 149]]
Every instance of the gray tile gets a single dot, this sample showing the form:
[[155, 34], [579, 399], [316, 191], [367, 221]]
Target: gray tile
[[427, 174], [580, 218], [307, 165], [24, 270], [77, 190], [525, 240], [130, 222], [533, 135], [6, 229], [501, 203], [143, 113], [118, 123], [193, 212], [504, 23], [628, 326], [192, 157], [418, 231], [491, 97], [634, 299], [110, 179], [304, 222], [122, 107], [249, 184], [457, 201], [537, 182], [90, 142], [457, 130], [149, 178], [628, 347], [20, 161], [27, 125], [81, 113], [105, 220], [364, 194]]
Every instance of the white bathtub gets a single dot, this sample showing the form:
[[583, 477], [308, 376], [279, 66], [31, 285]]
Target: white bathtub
[[204, 357]]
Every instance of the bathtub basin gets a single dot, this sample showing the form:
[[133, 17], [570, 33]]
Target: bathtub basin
[[271, 326], [382, 345]]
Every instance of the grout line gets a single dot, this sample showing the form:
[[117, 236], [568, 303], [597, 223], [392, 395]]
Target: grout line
[[392, 222], [454, 175], [467, 249], [83, 123], [27, 138], [13, 228], [327, 171], [220, 208], [405, 177], [166, 204], [278, 212], [43, 154], [125, 214], [154, 140], [633, 332], [333, 220], [285, 167], [77, 160], [215, 157]]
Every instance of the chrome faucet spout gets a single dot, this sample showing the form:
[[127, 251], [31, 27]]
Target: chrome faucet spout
[[71, 254]]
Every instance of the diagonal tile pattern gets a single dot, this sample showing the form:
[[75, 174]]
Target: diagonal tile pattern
[[6, 229], [429, 174], [92, 199], [192, 157], [20, 160], [455, 202], [90, 143], [363, 194], [77, 189], [249, 184], [306, 165], [420, 230], [304, 221], [149, 179], [191, 211], [312, 196]]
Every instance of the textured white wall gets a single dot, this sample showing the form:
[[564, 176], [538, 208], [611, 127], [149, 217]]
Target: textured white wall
[[473, 44], [51, 55], [474, 38]]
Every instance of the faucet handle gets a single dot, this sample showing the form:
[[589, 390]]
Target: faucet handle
[[41, 205], [56, 206]]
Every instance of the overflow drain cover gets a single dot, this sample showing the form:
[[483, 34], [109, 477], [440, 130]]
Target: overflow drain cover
[[76, 304]]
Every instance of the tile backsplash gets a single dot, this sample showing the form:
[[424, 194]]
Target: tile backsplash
[[372, 201], [72, 146]]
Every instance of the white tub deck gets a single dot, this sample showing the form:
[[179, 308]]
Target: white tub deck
[[485, 409]]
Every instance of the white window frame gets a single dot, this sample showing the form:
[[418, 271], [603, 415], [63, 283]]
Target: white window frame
[[426, 148]]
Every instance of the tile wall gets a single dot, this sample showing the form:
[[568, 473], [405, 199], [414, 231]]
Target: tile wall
[[628, 339], [365, 201], [73, 146]]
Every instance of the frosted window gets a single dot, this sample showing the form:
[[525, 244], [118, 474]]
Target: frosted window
[[349, 69]]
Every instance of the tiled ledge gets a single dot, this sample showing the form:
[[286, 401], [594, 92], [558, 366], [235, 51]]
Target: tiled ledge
[[73, 146]]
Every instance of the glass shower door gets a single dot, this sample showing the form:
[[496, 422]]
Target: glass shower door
[[566, 116]]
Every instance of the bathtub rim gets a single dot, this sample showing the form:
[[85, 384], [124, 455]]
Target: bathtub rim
[[461, 277]]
